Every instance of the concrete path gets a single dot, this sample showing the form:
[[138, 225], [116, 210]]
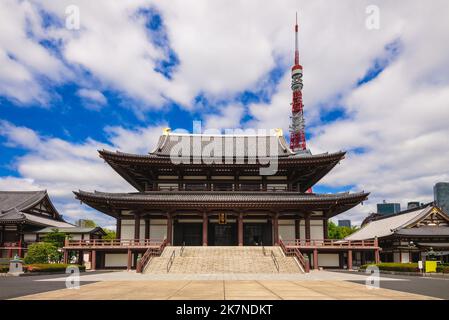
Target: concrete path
[[225, 290], [133, 276]]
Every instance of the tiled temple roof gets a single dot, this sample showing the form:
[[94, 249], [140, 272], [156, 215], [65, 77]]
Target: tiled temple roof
[[403, 223], [108, 202], [15, 206]]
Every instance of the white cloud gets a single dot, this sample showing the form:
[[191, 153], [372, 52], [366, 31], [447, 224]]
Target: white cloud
[[228, 117], [22, 58], [62, 167], [399, 119], [138, 140], [93, 99]]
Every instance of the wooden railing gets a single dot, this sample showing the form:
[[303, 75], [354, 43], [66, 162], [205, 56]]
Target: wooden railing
[[115, 243], [330, 243], [276, 264], [170, 261], [182, 248], [151, 252], [304, 262]]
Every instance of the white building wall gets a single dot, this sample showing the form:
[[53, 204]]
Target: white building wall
[[127, 231], [316, 229], [405, 256], [116, 259], [302, 229], [29, 237], [396, 257], [158, 229], [328, 259], [287, 229], [76, 237]]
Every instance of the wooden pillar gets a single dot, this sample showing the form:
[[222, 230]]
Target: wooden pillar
[[315, 259], [377, 256], [118, 232], [325, 231], [297, 228], [240, 228], [66, 256], [147, 227], [276, 229], [21, 238], [137, 226], [349, 259], [169, 228], [94, 260], [2, 235], [129, 265], [205, 222], [80, 257], [307, 223], [19, 253]]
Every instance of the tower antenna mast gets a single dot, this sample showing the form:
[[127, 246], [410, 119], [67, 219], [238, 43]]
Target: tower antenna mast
[[297, 126]]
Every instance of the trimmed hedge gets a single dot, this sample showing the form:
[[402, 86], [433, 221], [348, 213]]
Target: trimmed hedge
[[443, 268], [391, 266], [4, 268], [49, 267]]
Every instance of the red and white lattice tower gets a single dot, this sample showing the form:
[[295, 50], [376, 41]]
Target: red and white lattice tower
[[297, 127]]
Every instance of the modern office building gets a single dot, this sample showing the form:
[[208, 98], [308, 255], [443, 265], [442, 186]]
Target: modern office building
[[344, 223], [441, 195], [386, 208]]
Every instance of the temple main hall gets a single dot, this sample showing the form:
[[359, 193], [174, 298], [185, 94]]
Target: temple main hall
[[225, 190]]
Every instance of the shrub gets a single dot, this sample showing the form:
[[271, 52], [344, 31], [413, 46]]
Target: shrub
[[443, 268], [42, 252], [392, 266], [50, 267], [4, 268]]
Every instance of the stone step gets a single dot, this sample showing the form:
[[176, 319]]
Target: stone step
[[209, 260]]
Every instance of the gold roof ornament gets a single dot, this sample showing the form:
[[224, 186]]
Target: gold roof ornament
[[166, 131], [279, 132]]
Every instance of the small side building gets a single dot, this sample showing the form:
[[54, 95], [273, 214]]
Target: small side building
[[405, 235], [22, 213], [27, 216]]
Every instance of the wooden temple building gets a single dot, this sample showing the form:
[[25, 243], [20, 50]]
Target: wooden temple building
[[227, 203], [409, 235], [22, 215], [224, 190]]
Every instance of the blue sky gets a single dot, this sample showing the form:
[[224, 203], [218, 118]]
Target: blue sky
[[131, 70]]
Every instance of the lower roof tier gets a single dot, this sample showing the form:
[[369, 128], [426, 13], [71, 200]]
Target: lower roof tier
[[171, 201]]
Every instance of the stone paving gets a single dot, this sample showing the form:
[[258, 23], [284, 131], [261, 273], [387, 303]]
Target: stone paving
[[133, 276], [225, 290], [211, 260]]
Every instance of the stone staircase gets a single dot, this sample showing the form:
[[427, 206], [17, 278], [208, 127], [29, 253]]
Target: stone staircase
[[210, 260]]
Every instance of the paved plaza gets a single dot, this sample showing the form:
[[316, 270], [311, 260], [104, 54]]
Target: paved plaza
[[319, 285]]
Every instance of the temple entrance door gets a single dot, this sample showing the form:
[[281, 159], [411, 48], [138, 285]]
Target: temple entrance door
[[222, 234], [188, 233], [254, 234]]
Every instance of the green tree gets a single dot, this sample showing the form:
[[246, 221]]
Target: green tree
[[42, 252], [336, 232], [85, 223], [55, 237], [110, 234]]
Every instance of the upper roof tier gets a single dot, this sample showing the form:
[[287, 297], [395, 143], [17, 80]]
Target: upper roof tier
[[221, 155], [226, 145]]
